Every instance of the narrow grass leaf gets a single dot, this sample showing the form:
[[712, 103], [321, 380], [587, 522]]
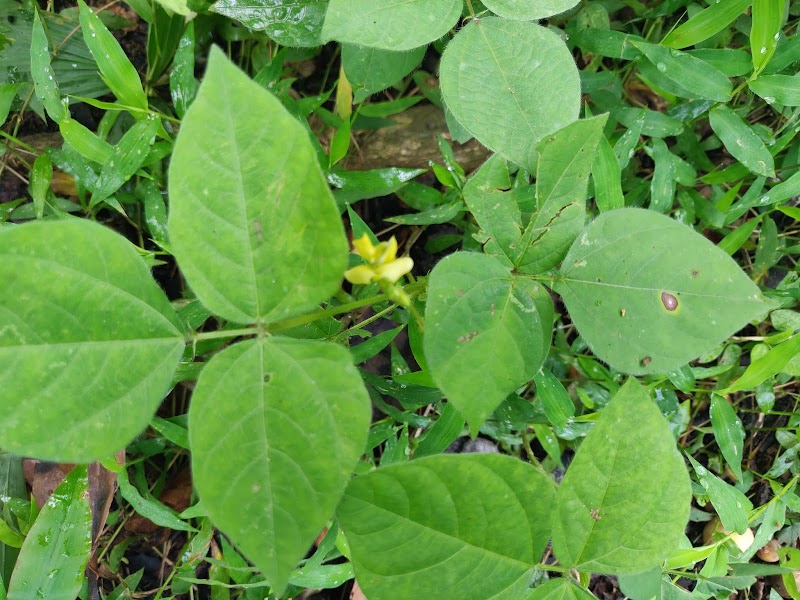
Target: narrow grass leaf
[[731, 505], [706, 23], [624, 501], [486, 332], [766, 366], [150, 508], [728, 432], [12, 485], [84, 141], [182, 84], [40, 177], [276, 426], [369, 348], [117, 71], [471, 524], [608, 43], [509, 96], [558, 406], [741, 141], [780, 89], [442, 433], [524, 10], [44, 80], [52, 560], [662, 185], [106, 355], [767, 17], [607, 178]]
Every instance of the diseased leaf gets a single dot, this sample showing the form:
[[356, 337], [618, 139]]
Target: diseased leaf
[[290, 419], [486, 332], [269, 243], [624, 501], [84, 327], [471, 524], [649, 294], [510, 95]]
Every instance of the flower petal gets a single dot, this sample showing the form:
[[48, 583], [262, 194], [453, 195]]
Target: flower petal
[[360, 275], [394, 270], [388, 251], [364, 248]]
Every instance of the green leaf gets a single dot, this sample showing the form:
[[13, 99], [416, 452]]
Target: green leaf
[[561, 588], [766, 366], [52, 560], [525, 10], [117, 71], [40, 177], [84, 141], [562, 176], [662, 185], [510, 96], [694, 75], [276, 426], [558, 406], [706, 23], [182, 84], [84, 328], [624, 501], [390, 24], [627, 270], [352, 186], [252, 222], [473, 525], [486, 332], [12, 485], [741, 141], [150, 508], [781, 89], [371, 70], [764, 32], [607, 178], [294, 23], [731, 505], [728, 432], [45, 83]]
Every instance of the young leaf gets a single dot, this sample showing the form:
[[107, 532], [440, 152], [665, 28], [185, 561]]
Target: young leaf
[[509, 96], [276, 426], [53, 558], [473, 525], [706, 23], [252, 222], [297, 23], [741, 141], [85, 328], [117, 71], [525, 10], [624, 501], [389, 24], [486, 332], [44, 80], [728, 432], [649, 294]]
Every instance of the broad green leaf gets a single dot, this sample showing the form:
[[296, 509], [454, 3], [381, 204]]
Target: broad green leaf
[[276, 426], [565, 160], [371, 70], [706, 23], [741, 141], [52, 560], [88, 341], [448, 526], [728, 432], [510, 96], [115, 68], [765, 32], [649, 294], [390, 24], [731, 505], [624, 501], [766, 366], [697, 77], [42, 73], [289, 22], [487, 332], [561, 588], [525, 10], [252, 222], [607, 178], [780, 89]]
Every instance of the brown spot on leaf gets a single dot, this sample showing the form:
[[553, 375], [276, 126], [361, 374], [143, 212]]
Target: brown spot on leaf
[[695, 274], [595, 512], [669, 301], [463, 339], [646, 360]]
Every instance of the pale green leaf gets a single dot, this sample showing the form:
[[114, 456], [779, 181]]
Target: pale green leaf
[[390, 24], [741, 141], [525, 10], [448, 526], [624, 501], [626, 271], [295, 23], [52, 560], [706, 23], [252, 222], [276, 426], [486, 332], [88, 341], [510, 95]]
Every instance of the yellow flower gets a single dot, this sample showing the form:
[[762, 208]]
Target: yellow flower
[[382, 260]]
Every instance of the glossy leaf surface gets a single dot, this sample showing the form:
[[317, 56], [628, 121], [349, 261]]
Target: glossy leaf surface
[[741, 141], [252, 222], [510, 83], [289, 421], [82, 326], [288, 22], [486, 332], [624, 501], [525, 10], [448, 526], [649, 294]]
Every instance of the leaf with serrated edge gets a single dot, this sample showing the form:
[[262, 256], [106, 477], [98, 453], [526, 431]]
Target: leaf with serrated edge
[[624, 502], [88, 341], [252, 222], [622, 269], [510, 83], [486, 332], [448, 526], [276, 426]]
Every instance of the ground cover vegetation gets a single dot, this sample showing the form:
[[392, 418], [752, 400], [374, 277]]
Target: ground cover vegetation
[[389, 300]]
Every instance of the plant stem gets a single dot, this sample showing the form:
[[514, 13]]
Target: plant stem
[[470, 9], [328, 312], [200, 336]]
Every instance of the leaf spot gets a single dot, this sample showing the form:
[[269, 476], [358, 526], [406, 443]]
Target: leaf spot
[[464, 339], [669, 301], [267, 378], [595, 512], [646, 360]]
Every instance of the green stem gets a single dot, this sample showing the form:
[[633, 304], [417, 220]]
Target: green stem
[[470, 9], [200, 336], [328, 312]]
